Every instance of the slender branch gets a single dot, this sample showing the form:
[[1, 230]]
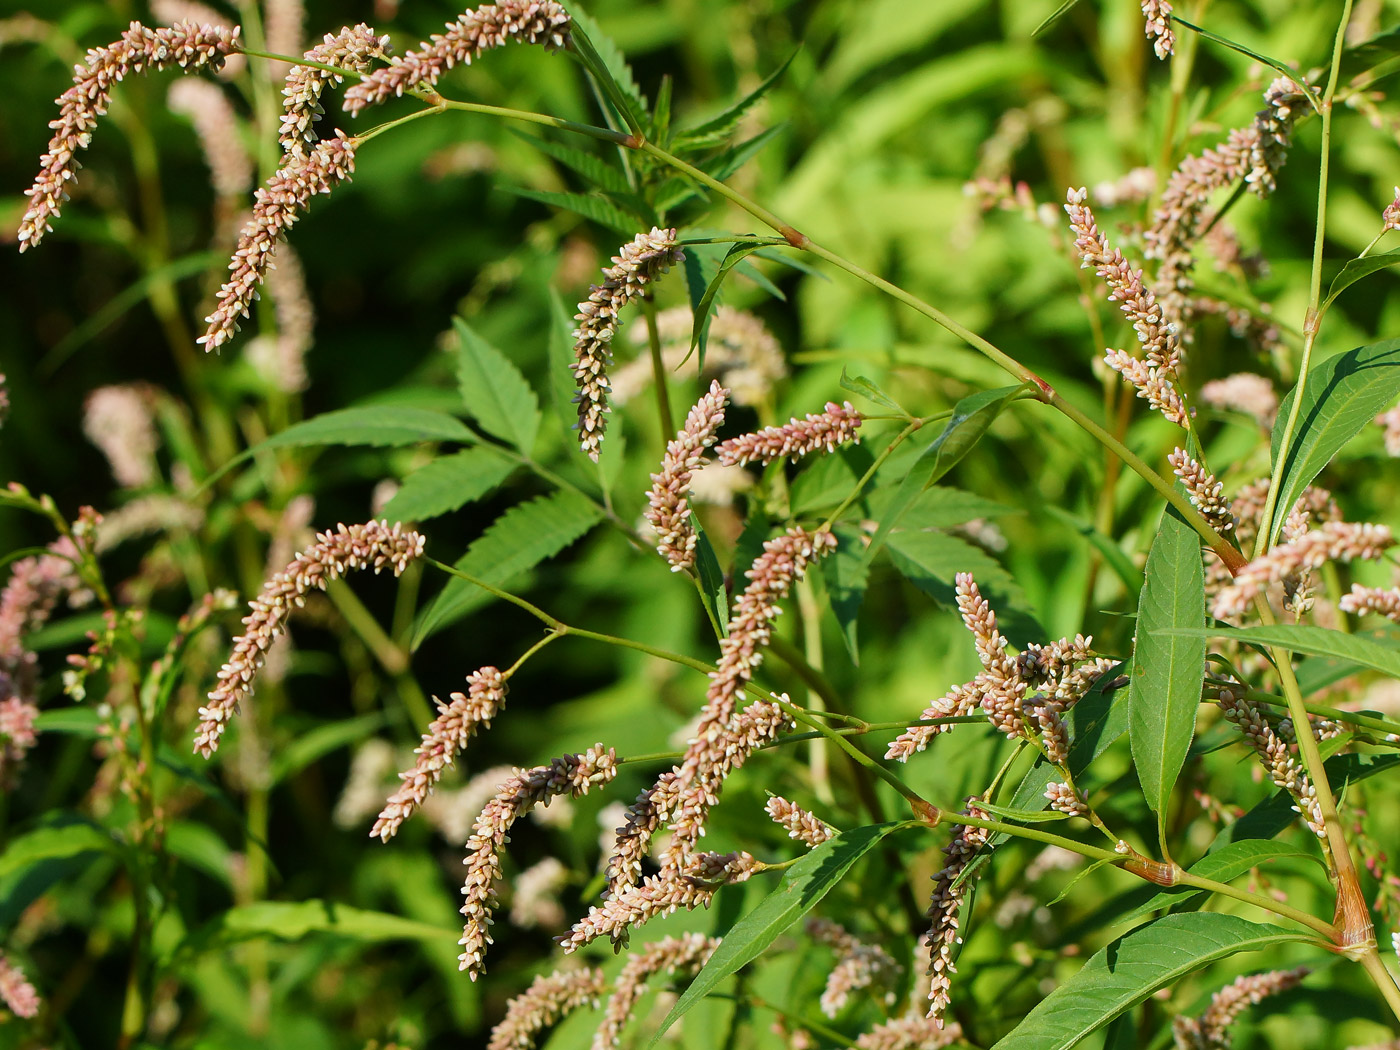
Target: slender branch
[[1312, 320]]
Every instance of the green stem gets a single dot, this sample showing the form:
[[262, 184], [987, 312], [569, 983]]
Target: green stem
[[865, 479], [1185, 878], [605, 134], [1312, 320], [658, 371], [1383, 979]]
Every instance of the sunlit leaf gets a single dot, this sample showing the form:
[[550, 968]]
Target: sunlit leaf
[[494, 390], [1164, 691], [518, 540], [802, 888], [1131, 968], [970, 420], [1343, 394], [447, 483]]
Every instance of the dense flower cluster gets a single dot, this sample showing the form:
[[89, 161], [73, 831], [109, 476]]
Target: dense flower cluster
[[370, 546], [571, 775], [636, 265], [835, 425], [668, 510], [186, 45], [276, 207], [446, 736], [483, 29], [1210, 1031], [354, 48]]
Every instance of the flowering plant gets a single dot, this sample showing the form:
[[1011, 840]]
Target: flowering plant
[[1181, 797]]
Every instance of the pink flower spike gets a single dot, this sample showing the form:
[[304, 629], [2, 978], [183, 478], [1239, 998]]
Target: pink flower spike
[[834, 426]]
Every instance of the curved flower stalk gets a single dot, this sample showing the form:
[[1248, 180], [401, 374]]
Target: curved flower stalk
[[1205, 492], [668, 510], [487, 27], [690, 887], [858, 965], [1211, 1031], [1254, 154], [722, 742], [801, 825], [276, 207], [446, 736], [186, 45], [685, 954], [635, 266], [1331, 541], [949, 892], [835, 425], [16, 992], [569, 775], [354, 48], [1277, 755], [548, 999], [370, 546], [1155, 374]]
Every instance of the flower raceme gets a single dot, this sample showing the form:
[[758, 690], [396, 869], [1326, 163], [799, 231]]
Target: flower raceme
[[186, 45], [373, 545]]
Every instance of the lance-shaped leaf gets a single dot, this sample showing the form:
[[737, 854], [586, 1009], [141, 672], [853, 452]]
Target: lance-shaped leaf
[[1342, 395], [494, 391], [1315, 641], [518, 540], [447, 483], [970, 420], [700, 333], [1134, 966], [802, 888], [1168, 669]]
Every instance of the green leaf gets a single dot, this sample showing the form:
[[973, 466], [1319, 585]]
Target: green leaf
[[700, 331], [846, 574], [200, 847], [601, 210], [447, 483], [1228, 862], [1113, 555], [829, 479], [1165, 689], [1343, 395], [802, 888], [1355, 269], [1272, 63], [1131, 968], [970, 420], [865, 388], [1054, 16], [518, 540], [718, 128], [494, 391], [711, 577], [80, 721], [1368, 54], [608, 67], [724, 164], [1028, 816], [931, 560], [701, 263], [383, 426], [1315, 641], [293, 920], [54, 843], [592, 167], [312, 744]]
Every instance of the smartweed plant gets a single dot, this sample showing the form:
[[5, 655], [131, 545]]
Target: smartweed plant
[[1162, 834]]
